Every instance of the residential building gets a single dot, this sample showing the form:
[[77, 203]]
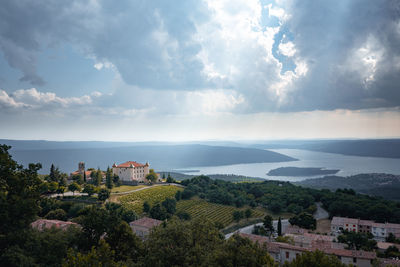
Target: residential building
[[143, 226], [379, 230], [282, 252], [131, 171], [43, 224]]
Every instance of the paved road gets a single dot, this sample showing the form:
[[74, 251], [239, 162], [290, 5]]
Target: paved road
[[321, 213], [249, 229]]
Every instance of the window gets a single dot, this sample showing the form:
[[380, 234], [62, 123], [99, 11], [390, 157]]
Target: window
[[354, 260], [354, 225], [287, 254], [347, 224]]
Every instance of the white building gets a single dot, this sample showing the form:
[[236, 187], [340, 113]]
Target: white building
[[131, 171]]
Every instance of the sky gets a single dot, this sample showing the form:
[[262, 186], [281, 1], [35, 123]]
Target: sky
[[184, 70]]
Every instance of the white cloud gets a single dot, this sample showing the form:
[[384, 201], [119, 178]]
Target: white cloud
[[287, 49], [8, 102]]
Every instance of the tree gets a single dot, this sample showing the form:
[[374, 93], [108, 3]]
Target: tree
[[279, 227], [102, 255], [84, 177], [78, 178], [248, 213], [158, 212], [98, 177], [170, 205], [357, 240], [19, 193], [268, 224], [109, 178], [89, 189], [304, 220], [103, 194], [61, 189], [237, 215], [53, 186], [239, 251], [315, 259], [57, 214], [146, 207], [151, 177], [116, 180], [124, 242], [74, 186], [178, 195], [170, 179]]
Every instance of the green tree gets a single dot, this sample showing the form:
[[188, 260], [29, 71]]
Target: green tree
[[103, 194], [89, 189], [58, 214], [151, 177], [237, 215], [170, 205], [315, 259], [53, 186], [84, 177], [158, 212], [98, 177], [304, 220], [61, 189], [170, 179], [178, 195], [239, 251], [357, 240], [124, 242], [74, 186], [279, 226], [182, 243], [248, 213], [109, 178], [54, 174], [102, 256], [78, 178], [268, 224], [146, 207]]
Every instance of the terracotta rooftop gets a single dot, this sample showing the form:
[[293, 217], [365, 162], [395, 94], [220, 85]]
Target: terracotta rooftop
[[86, 172], [146, 222], [342, 220], [294, 229], [42, 224], [351, 253], [129, 164]]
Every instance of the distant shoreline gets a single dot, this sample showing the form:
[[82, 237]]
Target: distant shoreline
[[297, 171]]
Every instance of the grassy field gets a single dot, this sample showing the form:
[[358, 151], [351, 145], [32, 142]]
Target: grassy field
[[135, 200], [215, 212], [126, 188]]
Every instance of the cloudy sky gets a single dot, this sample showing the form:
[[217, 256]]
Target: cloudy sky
[[133, 70]]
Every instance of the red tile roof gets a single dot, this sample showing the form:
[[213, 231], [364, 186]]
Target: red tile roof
[[128, 164], [146, 222]]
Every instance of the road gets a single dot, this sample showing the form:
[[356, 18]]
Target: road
[[249, 229], [320, 213]]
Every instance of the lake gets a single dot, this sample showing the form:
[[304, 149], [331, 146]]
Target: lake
[[348, 165]]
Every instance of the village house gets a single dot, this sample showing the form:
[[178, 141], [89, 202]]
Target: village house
[[131, 171], [143, 226], [379, 230], [282, 252], [82, 171], [42, 224]]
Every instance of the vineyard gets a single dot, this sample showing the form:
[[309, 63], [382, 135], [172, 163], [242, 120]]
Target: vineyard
[[134, 201], [214, 212]]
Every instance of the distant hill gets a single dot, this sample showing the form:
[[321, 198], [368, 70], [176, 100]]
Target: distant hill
[[225, 177], [376, 184], [386, 148], [296, 171], [161, 157]]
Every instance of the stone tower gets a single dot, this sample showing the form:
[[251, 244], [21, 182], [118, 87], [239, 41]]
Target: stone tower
[[81, 167]]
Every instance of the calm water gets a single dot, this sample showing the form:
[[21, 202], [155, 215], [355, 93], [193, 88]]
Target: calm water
[[348, 165]]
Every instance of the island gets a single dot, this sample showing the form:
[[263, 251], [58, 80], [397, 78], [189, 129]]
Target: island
[[296, 171]]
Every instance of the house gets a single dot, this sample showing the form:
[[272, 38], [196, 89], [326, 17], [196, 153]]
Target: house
[[43, 224], [131, 171], [143, 226], [379, 230], [282, 252]]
